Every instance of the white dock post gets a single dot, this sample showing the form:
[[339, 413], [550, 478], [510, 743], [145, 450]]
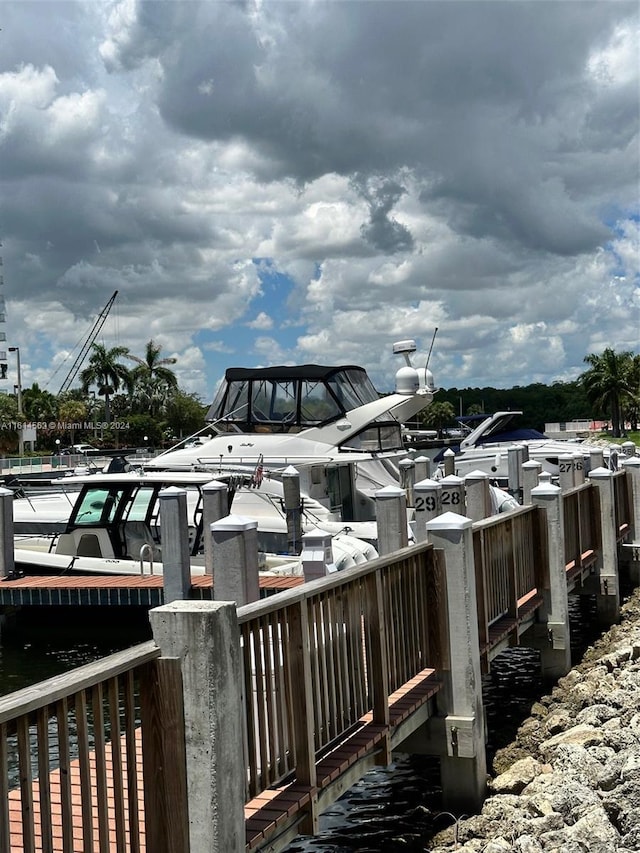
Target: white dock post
[[449, 462], [565, 472], [578, 469], [215, 505], [423, 468], [608, 599], [176, 559], [317, 555], [452, 494], [632, 467], [205, 636], [464, 768], [293, 508], [478, 493], [391, 515], [7, 545], [596, 459], [628, 449], [556, 655], [428, 495], [530, 477], [407, 469], [235, 559]]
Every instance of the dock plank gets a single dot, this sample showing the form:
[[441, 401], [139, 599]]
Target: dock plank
[[113, 590]]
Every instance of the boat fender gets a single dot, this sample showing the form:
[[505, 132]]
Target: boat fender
[[502, 501]]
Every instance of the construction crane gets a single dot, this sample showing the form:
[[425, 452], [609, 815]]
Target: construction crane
[[93, 334]]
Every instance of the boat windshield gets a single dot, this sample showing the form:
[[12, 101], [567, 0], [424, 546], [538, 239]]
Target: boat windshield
[[288, 399], [378, 437]]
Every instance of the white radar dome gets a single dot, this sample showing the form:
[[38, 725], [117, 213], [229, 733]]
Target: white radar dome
[[426, 379], [407, 381]]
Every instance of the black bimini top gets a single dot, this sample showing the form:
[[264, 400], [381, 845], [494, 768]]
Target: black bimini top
[[289, 399], [280, 371]]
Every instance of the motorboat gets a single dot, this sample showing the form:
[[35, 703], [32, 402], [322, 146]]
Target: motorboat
[[485, 447], [111, 524]]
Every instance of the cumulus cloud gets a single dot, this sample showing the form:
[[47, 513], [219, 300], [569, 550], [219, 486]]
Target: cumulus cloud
[[336, 175]]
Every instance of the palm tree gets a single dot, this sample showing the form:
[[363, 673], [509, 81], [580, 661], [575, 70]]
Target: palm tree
[[38, 404], [106, 373], [153, 378], [634, 381], [607, 383], [72, 412], [438, 415]]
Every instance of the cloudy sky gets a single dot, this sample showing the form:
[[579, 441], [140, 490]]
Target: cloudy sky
[[306, 181]]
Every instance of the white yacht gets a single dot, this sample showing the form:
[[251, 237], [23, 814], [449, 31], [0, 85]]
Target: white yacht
[[485, 446], [327, 424]]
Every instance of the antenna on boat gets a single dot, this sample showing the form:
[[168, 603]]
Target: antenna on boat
[[431, 347]]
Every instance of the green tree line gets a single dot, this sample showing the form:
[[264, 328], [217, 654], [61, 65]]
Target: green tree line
[[143, 392], [117, 387], [609, 390]]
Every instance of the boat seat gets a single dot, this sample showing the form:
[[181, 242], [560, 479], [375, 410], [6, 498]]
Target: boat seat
[[89, 546], [137, 534], [85, 543]]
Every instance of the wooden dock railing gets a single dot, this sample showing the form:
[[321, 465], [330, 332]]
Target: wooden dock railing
[[320, 657], [98, 759], [511, 571], [75, 773], [581, 527]]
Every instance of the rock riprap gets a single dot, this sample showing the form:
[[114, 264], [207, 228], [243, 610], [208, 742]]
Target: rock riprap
[[570, 782]]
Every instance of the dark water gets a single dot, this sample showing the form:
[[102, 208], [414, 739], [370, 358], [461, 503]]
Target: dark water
[[39, 643], [390, 809]]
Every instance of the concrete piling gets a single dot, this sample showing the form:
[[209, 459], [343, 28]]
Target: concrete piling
[[428, 505], [632, 467], [423, 468], [215, 505], [453, 496], [176, 558], [391, 514], [556, 648], [530, 478], [608, 598], [7, 557], [449, 462], [407, 470], [293, 508], [478, 503], [235, 559], [463, 768], [565, 472], [205, 637]]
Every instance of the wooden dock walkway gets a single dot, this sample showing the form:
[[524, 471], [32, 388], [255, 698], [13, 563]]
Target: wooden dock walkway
[[265, 813], [113, 590]]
